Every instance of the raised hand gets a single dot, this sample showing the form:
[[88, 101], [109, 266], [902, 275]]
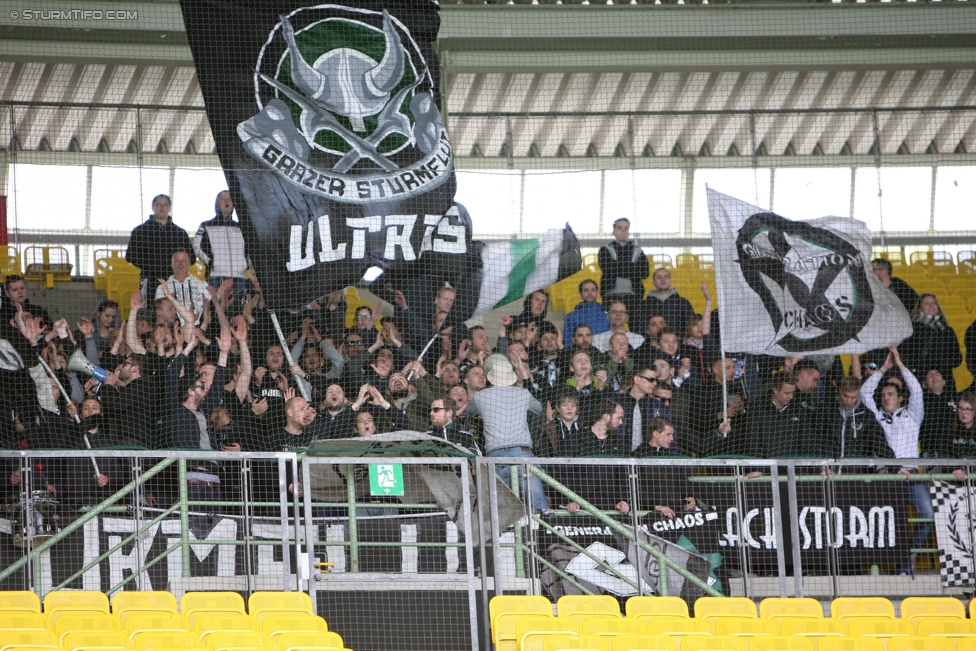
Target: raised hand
[[705, 292], [167, 292], [224, 341], [239, 328], [896, 357], [136, 301], [85, 327]]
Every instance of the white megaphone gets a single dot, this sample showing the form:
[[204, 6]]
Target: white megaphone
[[79, 364]]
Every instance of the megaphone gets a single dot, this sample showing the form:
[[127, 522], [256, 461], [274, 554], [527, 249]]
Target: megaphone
[[79, 364]]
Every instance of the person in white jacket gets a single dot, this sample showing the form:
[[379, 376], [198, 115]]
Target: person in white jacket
[[901, 421]]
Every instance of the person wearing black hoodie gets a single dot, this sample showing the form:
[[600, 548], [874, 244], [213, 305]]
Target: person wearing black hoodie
[[220, 245], [153, 243], [846, 429], [605, 487], [624, 267], [933, 343]]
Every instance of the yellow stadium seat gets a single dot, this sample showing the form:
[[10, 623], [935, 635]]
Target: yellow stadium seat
[[212, 602], [208, 624], [536, 640], [30, 647], [882, 628], [945, 627], [812, 627], [219, 640], [295, 640], [290, 601], [610, 625], [517, 604], [25, 619], [531, 631], [966, 644], [911, 643], [592, 604], [72, 623], [850, 644], [914, 608], [47, 264], [776, 608], [152, 639], [150, 601], [10, 262], [562, 641], [19, 600], [706, 607], [140, 621], [844, 607], [79, 640], [69, 600], [780, 643], [713, 643], [643, 607], [265, 614], [503, 633], [26, 636], [678, 626], [276, 625], [594, 642], [644, 643], [743, 626]]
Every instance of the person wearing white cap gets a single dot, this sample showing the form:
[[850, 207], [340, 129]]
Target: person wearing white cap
[[504, 409]]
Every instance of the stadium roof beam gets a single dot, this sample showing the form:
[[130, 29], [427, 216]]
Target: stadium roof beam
[[575, 38]]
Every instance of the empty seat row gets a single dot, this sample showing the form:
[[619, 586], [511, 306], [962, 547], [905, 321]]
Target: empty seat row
[[34, 640], [156, 601], [139, 622], [560, 641], [912, 608]]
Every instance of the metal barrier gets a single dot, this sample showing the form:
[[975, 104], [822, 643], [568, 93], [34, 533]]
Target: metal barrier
[[422, 543], [117, 520]]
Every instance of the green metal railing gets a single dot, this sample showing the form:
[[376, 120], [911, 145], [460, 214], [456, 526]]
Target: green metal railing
[[183, 507]]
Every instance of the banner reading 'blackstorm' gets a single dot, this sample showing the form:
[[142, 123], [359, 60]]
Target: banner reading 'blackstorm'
[[811, 281], [327, 124]]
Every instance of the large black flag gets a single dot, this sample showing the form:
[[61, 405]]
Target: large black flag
[[327, 124]]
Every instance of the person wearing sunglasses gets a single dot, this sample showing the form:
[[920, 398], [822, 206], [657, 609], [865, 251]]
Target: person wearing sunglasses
[[442, 425]]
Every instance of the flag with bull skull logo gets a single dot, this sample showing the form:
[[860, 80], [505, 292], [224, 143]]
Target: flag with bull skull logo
[[326, 120]]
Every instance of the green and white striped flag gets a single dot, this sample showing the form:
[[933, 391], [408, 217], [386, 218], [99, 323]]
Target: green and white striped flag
[[516, 268]]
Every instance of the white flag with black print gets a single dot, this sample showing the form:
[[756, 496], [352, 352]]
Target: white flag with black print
[[789, 287]]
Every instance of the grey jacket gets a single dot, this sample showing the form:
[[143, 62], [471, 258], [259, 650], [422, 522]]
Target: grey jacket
[[504, 411]]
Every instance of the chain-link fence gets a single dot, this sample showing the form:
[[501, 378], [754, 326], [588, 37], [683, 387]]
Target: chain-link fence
[[125, 520]]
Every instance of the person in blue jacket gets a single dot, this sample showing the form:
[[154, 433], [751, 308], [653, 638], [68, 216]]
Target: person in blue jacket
[[587, 311]]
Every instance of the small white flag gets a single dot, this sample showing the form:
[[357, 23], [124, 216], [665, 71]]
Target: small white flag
[[798, 287]]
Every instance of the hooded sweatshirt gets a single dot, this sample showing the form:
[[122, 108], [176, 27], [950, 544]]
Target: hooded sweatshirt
[[219, 243]]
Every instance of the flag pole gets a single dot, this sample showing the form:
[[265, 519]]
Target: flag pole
[[288, 357], [67, 397], [721, 339]]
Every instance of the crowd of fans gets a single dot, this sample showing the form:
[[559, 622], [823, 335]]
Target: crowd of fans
[[199, 365]]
